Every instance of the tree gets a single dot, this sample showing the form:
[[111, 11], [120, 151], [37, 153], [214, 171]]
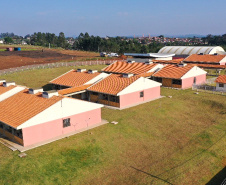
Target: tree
[[61, 40], [8, 40]]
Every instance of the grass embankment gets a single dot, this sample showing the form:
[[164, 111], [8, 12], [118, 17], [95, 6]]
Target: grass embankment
[[178, 140]]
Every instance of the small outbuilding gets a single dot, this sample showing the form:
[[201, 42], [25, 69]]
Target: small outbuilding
[[17, 49], [180, 76], [9, 49], [221, 83]]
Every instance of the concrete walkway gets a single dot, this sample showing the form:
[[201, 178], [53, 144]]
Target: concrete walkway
[[14, 146], [132, 105]]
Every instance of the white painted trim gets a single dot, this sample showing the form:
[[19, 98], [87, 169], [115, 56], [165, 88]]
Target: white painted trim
[[139, 85], [223, 60], [195, 71], [101, 76], [11, 92], [156, 68]]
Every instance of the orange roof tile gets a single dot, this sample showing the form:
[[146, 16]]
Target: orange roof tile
[[211, 66], [74, 78], [221, 79], [173, 71], [73, 89], [113, 84], [125, 67], [204, 58], [23, 106], [5, 89]]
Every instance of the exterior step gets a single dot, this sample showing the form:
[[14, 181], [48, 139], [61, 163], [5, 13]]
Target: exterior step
[[7, 144]]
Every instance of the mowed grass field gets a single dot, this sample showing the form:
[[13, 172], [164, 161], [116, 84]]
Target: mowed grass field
[[178, 140]]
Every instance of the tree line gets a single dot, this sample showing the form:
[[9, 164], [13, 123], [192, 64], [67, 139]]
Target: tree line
[[216, 40], [119, 45], [113, 44]]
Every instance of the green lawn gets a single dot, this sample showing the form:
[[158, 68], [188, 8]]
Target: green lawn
[[178, 140], [40, 77]]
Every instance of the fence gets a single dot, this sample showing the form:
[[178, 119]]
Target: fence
[[55, 65], [207, 89], [211, 80]]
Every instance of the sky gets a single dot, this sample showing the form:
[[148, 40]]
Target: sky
[[113, 17]]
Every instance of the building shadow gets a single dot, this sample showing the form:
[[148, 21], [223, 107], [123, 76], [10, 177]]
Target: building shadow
[[219, 178], [47, 87]]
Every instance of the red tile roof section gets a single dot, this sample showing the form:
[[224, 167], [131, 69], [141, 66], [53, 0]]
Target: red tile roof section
[[175, 61], [113, 84], [211, 66], [173, 71], [22, 106], [74, 78], [204, 58], [125, 67], [73, 89], [5, 89], [221, 79]]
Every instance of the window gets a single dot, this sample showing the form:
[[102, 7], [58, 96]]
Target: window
[[94, 93], [9, 129], [177, 82], [66, 122], [114, 98], [221, 85], [141, 94], [194, 80], [105, 97], [18, 133]]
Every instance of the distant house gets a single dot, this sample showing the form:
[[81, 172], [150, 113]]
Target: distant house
[[1, 41], [123, 90], [121, 67], [8, 89], [213, 59], [31, 117], [221, 83], [180, 76]]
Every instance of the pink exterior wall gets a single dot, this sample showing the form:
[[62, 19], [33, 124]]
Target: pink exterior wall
[[132, 98], [48, 130], [188, 82]]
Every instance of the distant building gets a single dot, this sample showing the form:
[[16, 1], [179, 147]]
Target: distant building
[[213, 59], [221, 83], [148, 57], [184, 51]]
